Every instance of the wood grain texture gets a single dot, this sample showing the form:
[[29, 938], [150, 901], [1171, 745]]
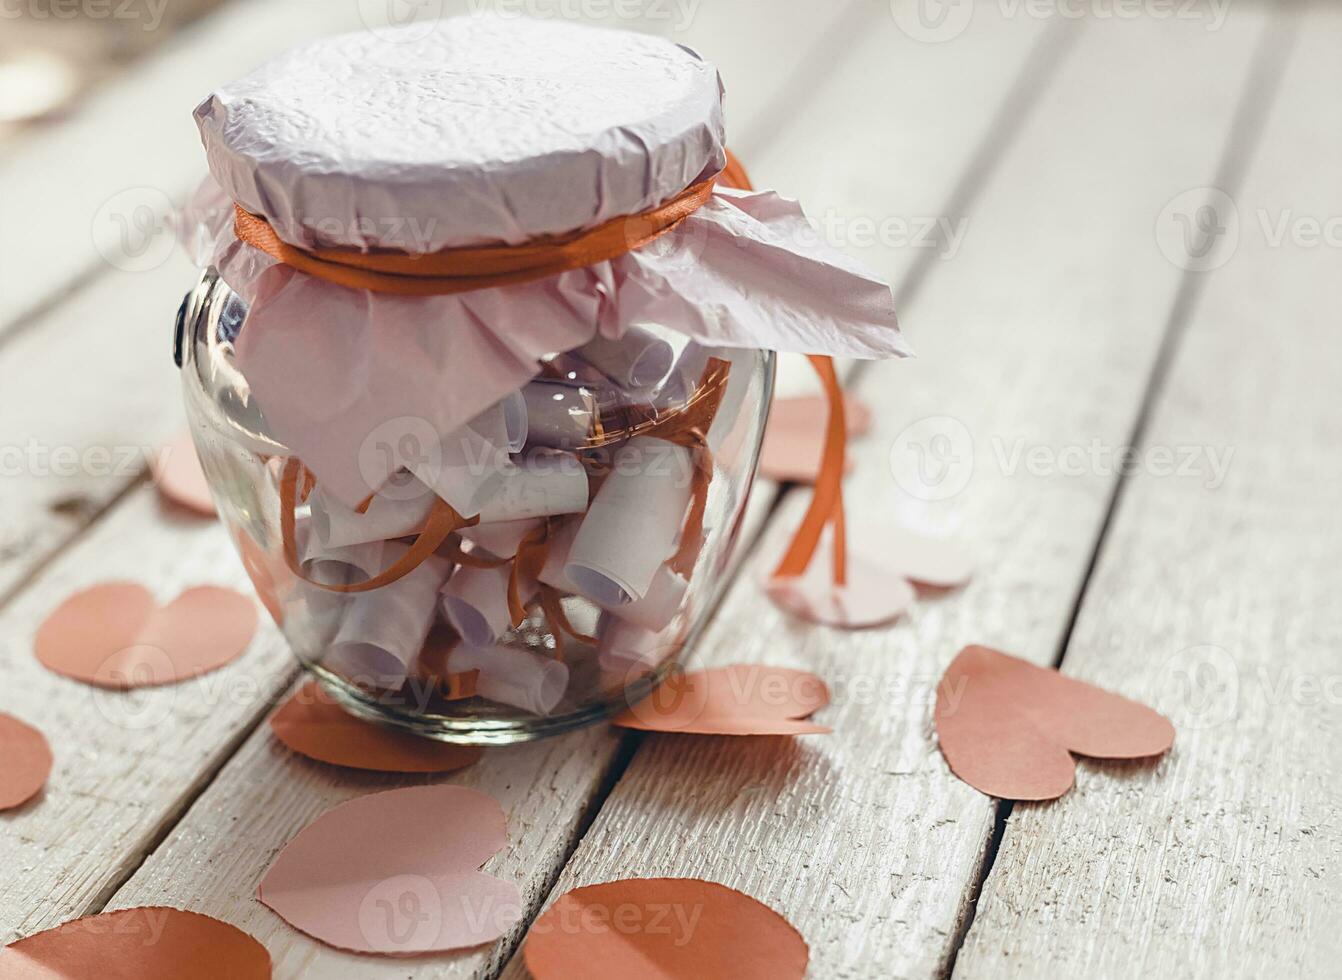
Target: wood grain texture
[[126, 762], [214, 857], [863, 839], [1216, 601]]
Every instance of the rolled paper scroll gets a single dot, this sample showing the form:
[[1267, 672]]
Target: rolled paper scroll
[[513, 677], [543, 484], [654, 611], [639, 359], [502, 539], [633, 523], [389, 516], [381, 632], [467, 466], [475, 601], [570, 369], [624, 647], [559, 415], [342, 565], [504, 424]]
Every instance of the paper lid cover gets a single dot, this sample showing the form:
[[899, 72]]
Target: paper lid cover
[[484, 129]]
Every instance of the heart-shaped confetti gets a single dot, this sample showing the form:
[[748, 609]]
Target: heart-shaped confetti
[[138, 944], [25, 762], [1009, 728], [794, 440], [745, 699], [397, 873], [311, 723], [667, 928], [884, 563], [179, 478], [115, 635]]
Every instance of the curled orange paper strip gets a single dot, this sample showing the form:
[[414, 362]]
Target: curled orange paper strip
[[668, 928]]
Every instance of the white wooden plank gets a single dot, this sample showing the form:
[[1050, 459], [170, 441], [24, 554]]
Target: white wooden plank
[[217, 853], [126, 763], [1216, 600], [863, 839]]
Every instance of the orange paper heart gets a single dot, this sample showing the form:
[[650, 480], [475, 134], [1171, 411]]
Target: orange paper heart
[[137, 944], [663, 928], [115, 635], [178, 476], [25, 762], [741, 700], [1009, 728], [312, 724]]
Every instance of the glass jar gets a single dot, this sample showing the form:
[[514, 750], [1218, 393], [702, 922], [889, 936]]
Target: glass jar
[[652, 439]]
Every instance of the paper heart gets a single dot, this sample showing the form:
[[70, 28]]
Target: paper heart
[[25, 762], [884, 562], [178, 476], [115, 635], [397, 873], [741, 700], [138, 944], [667, 928], [795, 436], [1008, 728], [311, 723]]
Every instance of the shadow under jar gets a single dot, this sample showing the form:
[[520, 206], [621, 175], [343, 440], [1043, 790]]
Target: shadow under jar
[[480, 360]]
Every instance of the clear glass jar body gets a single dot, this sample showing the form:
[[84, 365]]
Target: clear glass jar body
[[435, 658]]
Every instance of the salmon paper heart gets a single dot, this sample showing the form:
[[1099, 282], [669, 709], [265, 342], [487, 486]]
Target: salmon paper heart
[[138, 944], [312, 724], [1009, 728], [746, 699], [397, 873], [25, 762], [667, 928], [179, 478], [794, 440], [115, 635]]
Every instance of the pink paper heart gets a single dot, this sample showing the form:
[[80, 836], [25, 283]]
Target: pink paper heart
[[25, 762], [115, 635], [397, 873], [178, 476], [1008, 728], [746, 699], [795, 437]]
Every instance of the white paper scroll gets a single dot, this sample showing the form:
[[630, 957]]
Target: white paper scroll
[[559, 415], [633, 523], [654, 611], [475, 602], [514, 677], [639, 359], [399, 515], [505, 424], [543, 484], [341, 565], [501, 539], [689, 371], [381, 632], [623, 646]]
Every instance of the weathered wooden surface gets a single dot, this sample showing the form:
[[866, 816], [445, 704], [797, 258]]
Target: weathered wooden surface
[[1008, 180], [1215, 598]]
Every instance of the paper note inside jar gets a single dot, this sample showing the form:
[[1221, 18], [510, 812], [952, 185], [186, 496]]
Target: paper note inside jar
[[381, 632], [634, 522], [475, 601], [514, 677]]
